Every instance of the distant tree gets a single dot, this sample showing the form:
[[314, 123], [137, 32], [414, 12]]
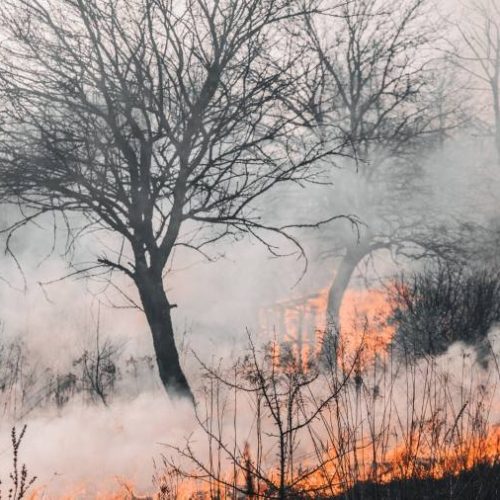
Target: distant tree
[[160, 122], [379, 91], [477, 54]]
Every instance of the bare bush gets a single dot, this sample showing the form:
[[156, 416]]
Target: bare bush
[[98, 370], [282, 396], [434, 308]]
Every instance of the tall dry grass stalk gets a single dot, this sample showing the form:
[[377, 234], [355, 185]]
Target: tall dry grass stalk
[[273, 428]]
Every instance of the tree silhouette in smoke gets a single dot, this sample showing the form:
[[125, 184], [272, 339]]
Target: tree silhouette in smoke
[[160, 122], [477, 55], [378, 89]]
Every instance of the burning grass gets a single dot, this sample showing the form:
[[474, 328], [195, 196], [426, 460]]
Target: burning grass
[[372, 422], [273, 430], [481, 482], [338, 430]]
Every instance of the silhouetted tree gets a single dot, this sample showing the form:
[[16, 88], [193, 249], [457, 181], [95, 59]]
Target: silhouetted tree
[[379, 91], [478, 56], [161, 122]]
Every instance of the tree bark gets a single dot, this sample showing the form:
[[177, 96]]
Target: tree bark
[[158, 313], [354, 255]]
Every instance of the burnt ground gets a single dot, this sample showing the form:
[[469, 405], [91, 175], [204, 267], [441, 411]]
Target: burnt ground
[[481, 483]]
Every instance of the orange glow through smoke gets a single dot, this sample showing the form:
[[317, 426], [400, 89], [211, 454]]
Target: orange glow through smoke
[[300, 325], [365, 333]]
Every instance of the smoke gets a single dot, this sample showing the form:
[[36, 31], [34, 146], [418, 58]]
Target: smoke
[[86, 450], [93, 445]]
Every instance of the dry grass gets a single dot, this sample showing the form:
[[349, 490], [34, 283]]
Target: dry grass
[[276, 430]]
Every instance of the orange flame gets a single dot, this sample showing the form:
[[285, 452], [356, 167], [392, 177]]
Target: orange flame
[[300, 324], [364, 327], [365, 333]]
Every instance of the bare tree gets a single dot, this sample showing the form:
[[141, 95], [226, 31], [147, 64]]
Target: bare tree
[[161, 122], [378, 89], [478, 56]]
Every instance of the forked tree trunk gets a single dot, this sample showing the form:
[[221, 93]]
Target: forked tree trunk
[[158, 313]]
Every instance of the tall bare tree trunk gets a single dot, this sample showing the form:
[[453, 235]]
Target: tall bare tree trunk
[[158, 313]]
